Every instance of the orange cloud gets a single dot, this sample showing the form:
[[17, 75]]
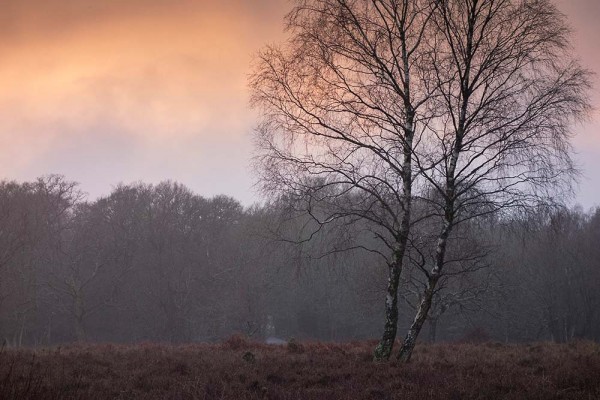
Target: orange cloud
[[113, 90], [165, 72]]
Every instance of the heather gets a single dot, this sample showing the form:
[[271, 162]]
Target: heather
[[240, 369]]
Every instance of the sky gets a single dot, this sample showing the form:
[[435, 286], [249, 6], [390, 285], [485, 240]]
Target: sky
[[114, 91]]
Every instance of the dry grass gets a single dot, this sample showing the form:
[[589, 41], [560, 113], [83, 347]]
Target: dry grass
[[237, 369]]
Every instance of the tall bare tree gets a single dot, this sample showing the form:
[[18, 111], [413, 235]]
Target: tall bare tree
[[477, 96], [509, 89], [342, 103]]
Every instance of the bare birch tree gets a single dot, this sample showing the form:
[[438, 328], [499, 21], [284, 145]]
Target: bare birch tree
[[509, 90], [343, 101], [475, 96]]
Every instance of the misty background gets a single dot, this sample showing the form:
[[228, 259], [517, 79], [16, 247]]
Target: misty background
[[154, 94], [161, 263]]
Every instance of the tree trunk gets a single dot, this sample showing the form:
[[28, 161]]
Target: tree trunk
[[49, 330], [411, 337], [440, 257], [386, 345], [79, 315], [433, 329], [21, 330]]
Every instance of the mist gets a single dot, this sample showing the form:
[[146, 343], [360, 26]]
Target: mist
[[314, 199]]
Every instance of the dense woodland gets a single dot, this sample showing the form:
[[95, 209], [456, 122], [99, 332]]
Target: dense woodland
[[161, 263]]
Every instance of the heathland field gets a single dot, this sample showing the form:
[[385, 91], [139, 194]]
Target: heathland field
[[239, 369]]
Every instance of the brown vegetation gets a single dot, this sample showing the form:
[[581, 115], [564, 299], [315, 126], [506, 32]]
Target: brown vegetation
[[237, 369]]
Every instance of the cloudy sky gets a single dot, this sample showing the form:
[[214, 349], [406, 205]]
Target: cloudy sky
[[125, 90]]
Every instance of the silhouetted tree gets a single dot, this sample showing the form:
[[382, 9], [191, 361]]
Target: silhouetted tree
[[508, 90], [344, 102]]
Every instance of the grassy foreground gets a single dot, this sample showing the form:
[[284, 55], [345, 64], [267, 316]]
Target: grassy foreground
[[237, 369]]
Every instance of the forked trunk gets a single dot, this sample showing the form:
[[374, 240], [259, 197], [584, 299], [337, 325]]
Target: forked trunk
[[384, 349]]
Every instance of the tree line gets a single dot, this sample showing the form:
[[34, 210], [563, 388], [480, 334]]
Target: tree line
[[160, 263]]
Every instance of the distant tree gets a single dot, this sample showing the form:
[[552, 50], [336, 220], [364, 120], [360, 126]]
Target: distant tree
[[35, 214], [564, 297], [86, 269]]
